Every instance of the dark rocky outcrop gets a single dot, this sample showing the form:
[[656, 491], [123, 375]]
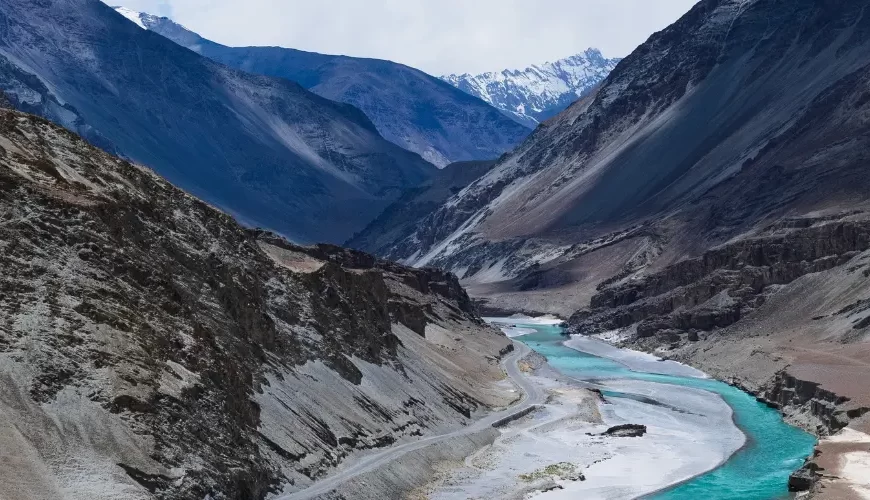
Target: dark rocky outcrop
[[791, 395], [625, 430], [803, 479], [723, 285]]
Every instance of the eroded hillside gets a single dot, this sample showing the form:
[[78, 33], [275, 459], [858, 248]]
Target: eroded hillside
[[150, 347]]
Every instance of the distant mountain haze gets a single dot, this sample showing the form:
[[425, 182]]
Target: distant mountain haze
[[409, 108], [400, 219]]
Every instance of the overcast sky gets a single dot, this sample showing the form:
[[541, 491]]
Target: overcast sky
[[437, 36]]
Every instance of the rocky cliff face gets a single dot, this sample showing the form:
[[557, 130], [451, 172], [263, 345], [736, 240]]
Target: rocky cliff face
[[150, 347], [262, 148], [724, 284], [538, 92], [409, 108], [805, 399]]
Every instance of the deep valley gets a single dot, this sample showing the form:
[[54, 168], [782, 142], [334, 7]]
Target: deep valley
[[240, 272]]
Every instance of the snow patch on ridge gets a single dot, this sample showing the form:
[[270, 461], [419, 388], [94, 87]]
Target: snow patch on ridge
[[132, 15]]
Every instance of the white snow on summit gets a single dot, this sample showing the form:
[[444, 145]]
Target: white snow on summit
[[541, 91], [132, 15]]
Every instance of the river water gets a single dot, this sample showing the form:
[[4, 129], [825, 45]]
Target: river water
[[758, 471]]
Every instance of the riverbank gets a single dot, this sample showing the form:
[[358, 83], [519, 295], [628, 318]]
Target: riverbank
[[562, 451], [633, 360], [681, 436], [801, 391], [762, 469]]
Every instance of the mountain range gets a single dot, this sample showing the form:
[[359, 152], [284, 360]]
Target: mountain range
[[408, 107], [709, 202], [633, 153], [539, 92], [262, 148]]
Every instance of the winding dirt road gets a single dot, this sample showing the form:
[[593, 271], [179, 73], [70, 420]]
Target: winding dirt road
[[532, 395]]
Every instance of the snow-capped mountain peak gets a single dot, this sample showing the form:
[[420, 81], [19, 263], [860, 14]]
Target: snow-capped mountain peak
[[148, 21], [538, 92]]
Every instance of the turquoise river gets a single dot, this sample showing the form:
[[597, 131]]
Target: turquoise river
[[758, 471]]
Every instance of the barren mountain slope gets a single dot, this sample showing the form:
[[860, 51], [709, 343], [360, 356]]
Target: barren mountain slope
[[150, 347], [401, 218], [262, 148], [682, 114], [737, 115], [710, 202], [410, 108]]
